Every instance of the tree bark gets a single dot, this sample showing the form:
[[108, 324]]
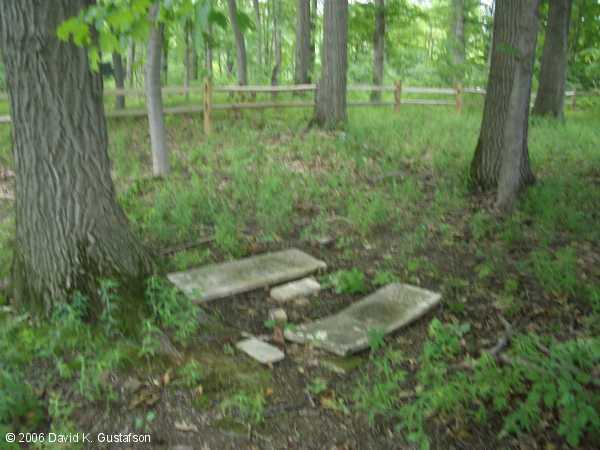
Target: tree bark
[[119, 71], [303, 43], [240, 44], [70, 230], [501, 157], [457, 40], [156, 118], [553, 76], [131, 63], [331, 93], [378, 48]]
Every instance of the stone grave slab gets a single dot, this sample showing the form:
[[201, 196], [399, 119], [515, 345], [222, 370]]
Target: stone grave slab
[[388, 309], [217, 281], [290, 291], [260, 351]]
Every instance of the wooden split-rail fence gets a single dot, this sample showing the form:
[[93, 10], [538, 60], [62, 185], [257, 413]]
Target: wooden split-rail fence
[[207, 89]]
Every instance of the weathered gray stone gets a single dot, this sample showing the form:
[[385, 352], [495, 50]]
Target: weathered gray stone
[[386, 310], [260, 351], [290, 291], [223, 280]]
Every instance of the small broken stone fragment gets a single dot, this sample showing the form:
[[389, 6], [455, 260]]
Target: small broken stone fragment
[[290, 291], [260, 351]]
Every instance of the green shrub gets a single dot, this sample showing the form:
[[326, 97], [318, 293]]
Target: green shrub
[[349, 281], [541, 376]]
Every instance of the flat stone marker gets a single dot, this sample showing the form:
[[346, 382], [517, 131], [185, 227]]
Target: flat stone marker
[[260, 351], [223, 280], [386, 310], [290, 291]]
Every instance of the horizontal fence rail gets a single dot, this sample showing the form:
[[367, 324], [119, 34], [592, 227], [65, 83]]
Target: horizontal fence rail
[[207, 90]]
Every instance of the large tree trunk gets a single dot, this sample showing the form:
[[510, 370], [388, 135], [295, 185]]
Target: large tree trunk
[[551, 91], [303, 43], [154, 102], [457, 39], [331, 93], [70, 230], [240, 44], [131, 63], [501, 158], [119, 71], [378, 48]]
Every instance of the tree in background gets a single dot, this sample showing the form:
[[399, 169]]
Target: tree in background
[[501, 158], [154, 101], [553, 75], [378, 48], [457, 39], [70, 230], [303, 43], [240, 43], [331, 92], [119, 71]]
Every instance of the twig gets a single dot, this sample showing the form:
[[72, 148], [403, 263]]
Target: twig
[[495, 350]]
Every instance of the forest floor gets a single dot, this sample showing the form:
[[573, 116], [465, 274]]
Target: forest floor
[[391, 192]]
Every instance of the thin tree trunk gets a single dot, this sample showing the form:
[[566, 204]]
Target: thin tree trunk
[[313, 37], [303, 43], [276, 47], [70, 230], [209, 54], [119, 71], [501, 158], [457, 40], [156, 119], [378, 48], [194, 51], [229, 62], [165, 58], [187, 58], [331, 93], [131, 63], [259, 33], [240, 44], [553, 76]]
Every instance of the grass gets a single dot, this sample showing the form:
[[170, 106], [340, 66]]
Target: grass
[[392, 190]]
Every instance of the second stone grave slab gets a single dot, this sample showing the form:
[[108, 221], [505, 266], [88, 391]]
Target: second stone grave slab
[[386, 310]]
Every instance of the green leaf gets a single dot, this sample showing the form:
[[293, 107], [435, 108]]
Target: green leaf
[[76, 29]]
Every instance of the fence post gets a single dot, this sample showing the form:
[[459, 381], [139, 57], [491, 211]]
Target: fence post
[[459, 97], [207, 99], [574, 100], [397, 95]]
